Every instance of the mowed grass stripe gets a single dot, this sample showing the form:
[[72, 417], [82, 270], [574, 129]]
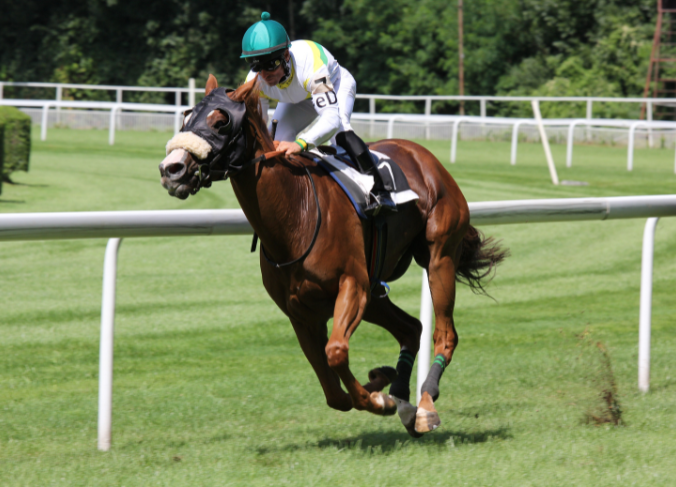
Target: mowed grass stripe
[[211, 387]]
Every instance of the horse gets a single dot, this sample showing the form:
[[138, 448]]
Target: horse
[[315, 248]]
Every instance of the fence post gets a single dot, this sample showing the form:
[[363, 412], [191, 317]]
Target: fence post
[[545, 142], [372, 111], [650, 119], [118, 99], [589, 117], [428, 112], [515, 141], [45, 121], [178, 98], [111, 127], [191, 92], [2, 85], [426, 336], [482, 109], [630, 145], [454, 139], [177, 121], [59, 97], [569, 150], [645, 313], [390, 125], [106, 345]]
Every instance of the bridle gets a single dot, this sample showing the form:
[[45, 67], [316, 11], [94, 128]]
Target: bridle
[[207, 174]]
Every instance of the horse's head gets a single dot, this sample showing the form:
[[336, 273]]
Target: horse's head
[[212, 142]]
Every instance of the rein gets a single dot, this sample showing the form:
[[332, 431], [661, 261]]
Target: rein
[[314, 237]]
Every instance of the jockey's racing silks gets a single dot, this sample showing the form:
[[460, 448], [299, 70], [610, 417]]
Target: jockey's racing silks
[[228, 143]]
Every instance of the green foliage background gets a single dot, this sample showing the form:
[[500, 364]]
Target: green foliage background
[[519, 47]]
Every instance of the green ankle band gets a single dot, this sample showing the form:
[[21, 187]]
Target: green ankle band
[[407, 358]]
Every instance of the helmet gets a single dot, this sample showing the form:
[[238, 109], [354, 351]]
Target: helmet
[[264, 37]]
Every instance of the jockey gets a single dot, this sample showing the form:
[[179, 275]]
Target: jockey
[[308, 84]]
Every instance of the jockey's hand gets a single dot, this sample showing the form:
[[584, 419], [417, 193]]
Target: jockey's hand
[[289, 147]]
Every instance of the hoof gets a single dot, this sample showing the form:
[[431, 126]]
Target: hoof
[[383, 373], [426, 421], [407, 414], [386, 402], [426, 417]]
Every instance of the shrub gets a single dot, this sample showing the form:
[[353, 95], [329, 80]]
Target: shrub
[[17, 141], [2, 139]]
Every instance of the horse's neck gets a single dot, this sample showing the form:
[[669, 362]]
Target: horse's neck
[[277, 204]]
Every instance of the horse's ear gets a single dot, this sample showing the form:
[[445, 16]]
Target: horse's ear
[[212, 84]]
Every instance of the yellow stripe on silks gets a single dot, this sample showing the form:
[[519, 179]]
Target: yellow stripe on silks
[[318, 54]]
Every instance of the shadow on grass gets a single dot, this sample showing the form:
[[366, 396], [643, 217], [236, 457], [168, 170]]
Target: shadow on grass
[[29, 185], [21, 202], [388, 442]]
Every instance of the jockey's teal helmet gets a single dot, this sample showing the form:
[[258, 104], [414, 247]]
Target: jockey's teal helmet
[[264, 37]]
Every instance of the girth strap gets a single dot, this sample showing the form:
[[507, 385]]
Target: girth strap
[[378, 250]]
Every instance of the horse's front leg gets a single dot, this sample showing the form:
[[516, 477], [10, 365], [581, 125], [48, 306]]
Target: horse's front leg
[[313, 338], [350, 304]]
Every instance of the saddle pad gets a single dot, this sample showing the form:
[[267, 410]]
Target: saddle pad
[[358, 186]]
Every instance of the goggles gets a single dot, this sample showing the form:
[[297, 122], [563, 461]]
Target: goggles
[[270, 65]]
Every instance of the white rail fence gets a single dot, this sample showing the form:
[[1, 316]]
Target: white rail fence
[[118, 225], [406, 126], [115, 112], [483, 101]]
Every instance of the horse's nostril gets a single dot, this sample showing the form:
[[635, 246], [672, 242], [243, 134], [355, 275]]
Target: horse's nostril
[[175, 168]]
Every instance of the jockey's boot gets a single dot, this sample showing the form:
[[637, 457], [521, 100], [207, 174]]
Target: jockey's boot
[[356, 148]]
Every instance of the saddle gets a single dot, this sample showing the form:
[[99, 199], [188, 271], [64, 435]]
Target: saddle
[[356, 185]]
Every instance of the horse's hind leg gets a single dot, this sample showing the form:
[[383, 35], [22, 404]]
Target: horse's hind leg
[[406, 330], [444, 257], [313, 339]]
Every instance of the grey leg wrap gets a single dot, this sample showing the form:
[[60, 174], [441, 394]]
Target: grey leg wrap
[[400, 387], [431, 384]]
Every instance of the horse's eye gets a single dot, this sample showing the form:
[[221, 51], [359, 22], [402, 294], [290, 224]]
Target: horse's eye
[[222, 126], [186, 116]]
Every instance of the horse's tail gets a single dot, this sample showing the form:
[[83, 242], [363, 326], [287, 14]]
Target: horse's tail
[[478, 259]]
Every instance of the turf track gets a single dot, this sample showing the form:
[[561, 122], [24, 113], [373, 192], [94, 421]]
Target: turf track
[[211, 387]]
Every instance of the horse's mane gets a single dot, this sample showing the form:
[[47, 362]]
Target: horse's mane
[[250, 94]]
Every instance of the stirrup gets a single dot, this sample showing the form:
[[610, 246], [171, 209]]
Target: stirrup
[[380, 202]]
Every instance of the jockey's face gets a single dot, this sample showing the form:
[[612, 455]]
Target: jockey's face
[[271, 78]]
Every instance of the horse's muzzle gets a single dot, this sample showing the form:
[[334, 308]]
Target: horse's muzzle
[[174, 173]]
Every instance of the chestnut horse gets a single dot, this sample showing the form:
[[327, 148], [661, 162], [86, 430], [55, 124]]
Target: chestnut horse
[[303, 218]]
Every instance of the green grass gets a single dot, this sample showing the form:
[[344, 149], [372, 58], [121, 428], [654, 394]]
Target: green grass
[[211, 387]]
